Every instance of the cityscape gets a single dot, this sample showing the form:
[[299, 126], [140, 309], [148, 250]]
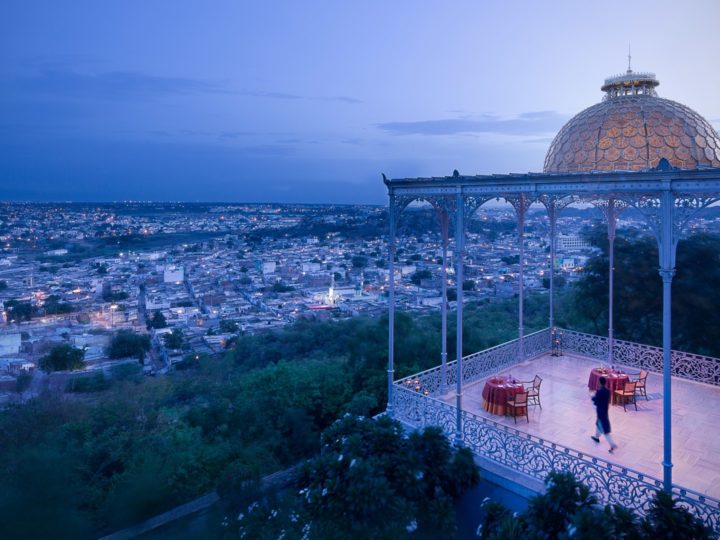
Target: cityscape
[[214, 272]]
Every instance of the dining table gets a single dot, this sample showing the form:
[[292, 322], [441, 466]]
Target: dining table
[[497, 391], [615, 379]]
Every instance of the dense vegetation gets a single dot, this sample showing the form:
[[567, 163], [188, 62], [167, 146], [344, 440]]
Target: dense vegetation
[[568, 510], [369, 482], [102, 460], [638, 292]]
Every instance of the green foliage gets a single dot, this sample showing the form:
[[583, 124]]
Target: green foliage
[[359, 261], [157, 320], [109, 296], [280, 287], [127, 343], [23, 381], [63, 357], [19, 311], [418, 276], [228, 327], [369, 481], [638, 292], [54, 305], [174, 339], [3, 284], [88, 384], [567, 510], [468, 285]]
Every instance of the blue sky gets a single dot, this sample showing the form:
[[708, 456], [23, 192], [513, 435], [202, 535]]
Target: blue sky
[[310, 101]]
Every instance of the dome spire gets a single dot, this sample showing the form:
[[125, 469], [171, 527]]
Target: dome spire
[[630, 83]]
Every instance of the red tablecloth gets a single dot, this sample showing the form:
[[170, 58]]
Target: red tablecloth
[[497, 392], [615, 380]]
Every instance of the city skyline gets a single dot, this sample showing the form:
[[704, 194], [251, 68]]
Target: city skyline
[[288, 103]]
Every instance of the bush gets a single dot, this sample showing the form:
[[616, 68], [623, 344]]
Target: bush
[[568, 510], [127, 343], [63, 357], [93, 383]]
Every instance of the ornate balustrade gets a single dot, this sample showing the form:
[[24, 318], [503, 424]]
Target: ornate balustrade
[[478, 365], [536, 457], [694, 367], [415, 404]]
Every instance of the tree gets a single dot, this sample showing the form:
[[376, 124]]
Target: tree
[[174, 339], [418, 276], [127, 343], [3, 284], [19, 311], [62, 358], [280, 287], [568, 510], [157, 321], [468, 285], [359, 261], [54, 305], [227, 326]]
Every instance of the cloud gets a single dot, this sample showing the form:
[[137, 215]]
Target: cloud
[[283, 95], [529, 123], [67, 83], [111, 85]]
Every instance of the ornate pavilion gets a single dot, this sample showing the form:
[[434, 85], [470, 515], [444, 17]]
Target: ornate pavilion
[[631, 150]]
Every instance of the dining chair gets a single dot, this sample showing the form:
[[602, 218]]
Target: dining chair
[[533, 390], [627, 391], [519, 402], [640, 384]]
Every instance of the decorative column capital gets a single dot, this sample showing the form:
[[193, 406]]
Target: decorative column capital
[[667, 274]]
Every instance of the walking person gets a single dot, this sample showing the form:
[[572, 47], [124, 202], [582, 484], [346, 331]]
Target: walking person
[[601, 399]]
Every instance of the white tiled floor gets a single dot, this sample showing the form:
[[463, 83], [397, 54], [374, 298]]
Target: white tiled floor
[[567, 418]]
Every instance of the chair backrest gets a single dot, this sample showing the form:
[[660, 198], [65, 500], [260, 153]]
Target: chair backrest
[[520, 398], [643, 376], [536, 382], [630, 386]]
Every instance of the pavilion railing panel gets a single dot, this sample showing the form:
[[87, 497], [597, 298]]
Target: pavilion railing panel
[[536, 457], [694, 367], [478, 365]]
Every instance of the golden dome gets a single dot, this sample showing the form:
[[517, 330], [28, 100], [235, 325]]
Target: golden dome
[[632, 129]]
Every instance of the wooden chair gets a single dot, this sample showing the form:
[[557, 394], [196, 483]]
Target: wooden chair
[[533, 389], [640, 384], [518, 401], [627, 391]]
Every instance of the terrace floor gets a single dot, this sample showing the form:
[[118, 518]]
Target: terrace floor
[[568, 418]]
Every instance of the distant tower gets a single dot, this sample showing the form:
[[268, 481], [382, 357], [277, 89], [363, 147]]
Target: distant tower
[[331, 292]]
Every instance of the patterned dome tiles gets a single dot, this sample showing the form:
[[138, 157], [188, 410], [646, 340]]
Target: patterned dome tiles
[[633, 133]]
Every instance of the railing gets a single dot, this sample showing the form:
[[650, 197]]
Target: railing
[[536, 457], [478, 365], [694, 367]]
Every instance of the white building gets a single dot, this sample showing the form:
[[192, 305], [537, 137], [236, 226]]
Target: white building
[[173, 274], [572, 243], [9, 344]]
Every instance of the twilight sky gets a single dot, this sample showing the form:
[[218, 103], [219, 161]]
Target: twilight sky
[[310, 101]]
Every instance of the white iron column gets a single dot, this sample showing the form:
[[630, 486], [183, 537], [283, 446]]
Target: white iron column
[[552, 215], [667, 271], [391, 305], [521, 208], [443, 355], [611, 219], [460, 247]]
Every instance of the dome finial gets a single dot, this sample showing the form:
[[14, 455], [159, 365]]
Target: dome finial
[[629, 60]]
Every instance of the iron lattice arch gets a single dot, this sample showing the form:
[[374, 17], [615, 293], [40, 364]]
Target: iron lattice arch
[[668, 199]]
